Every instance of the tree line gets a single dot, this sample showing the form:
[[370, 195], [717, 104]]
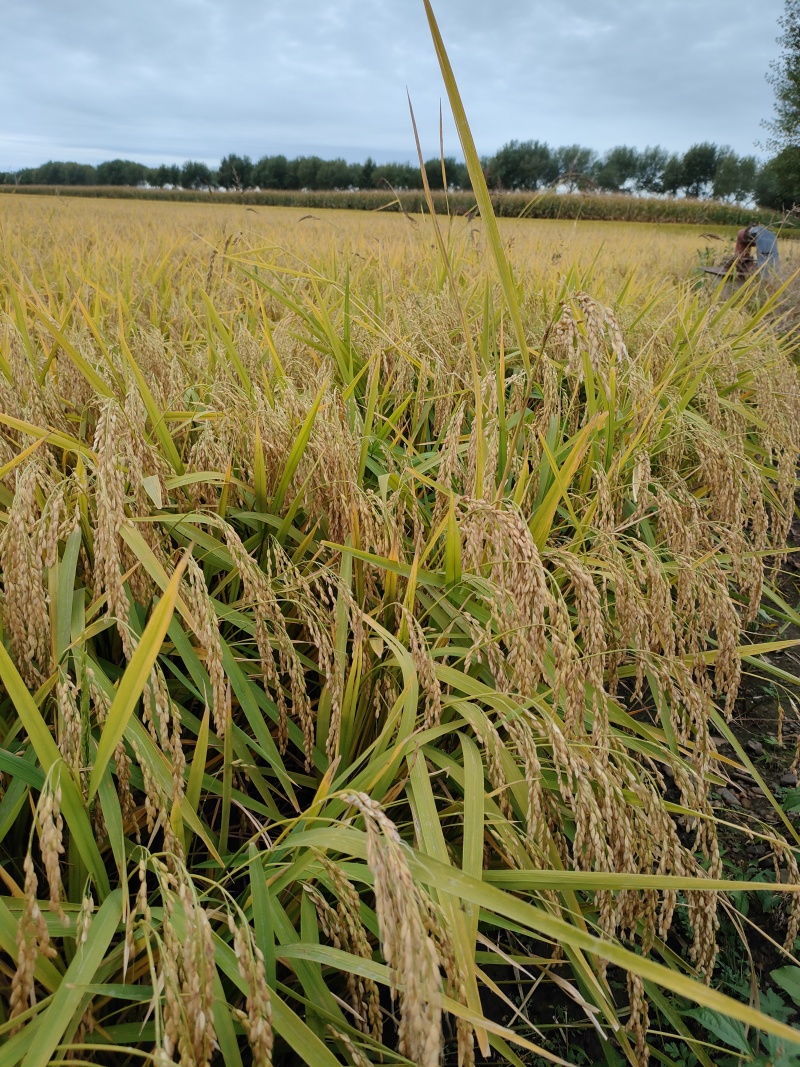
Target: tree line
[[705, 170], [780, 177]]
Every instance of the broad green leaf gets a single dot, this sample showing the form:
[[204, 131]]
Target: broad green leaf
[[230, 348], [727, 1030], [52, 1023], [195, 783], [463, 934], [157, 421], [134, 679], [542, 518], [85, 368], [297, 450], [52, 437], [262, 921], [788, 978], [48, 755]]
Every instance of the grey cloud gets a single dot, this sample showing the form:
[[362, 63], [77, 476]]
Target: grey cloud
[[170, 79]]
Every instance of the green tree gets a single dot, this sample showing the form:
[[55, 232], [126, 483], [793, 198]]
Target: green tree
[[270, 172], [784, 77], [726, 174], [165, 175], [650, 171], [367, 176], [121, 172], [236, 172], [523, 165], [195, 175], [618, 169], [433, 171], [777, 184], [79, 174], [671, 180], [459, 176], [734, 176], [334, 174], [575, 164], [748, 175], [398, 175], [307, 170], [291, 179], [50, 173], [699, 166]]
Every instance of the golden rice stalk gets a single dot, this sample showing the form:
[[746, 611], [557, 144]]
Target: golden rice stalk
[[409, 950], [156, 803], [783, 855], [344, 928], [207, 633], [50, 825], [639, 1018], [587, 327], [271, 626], [25, 383], [100, 705], [26, 617], [70, 726], [84, 920], [426, 674], [256, 1020], [109, 517], [188, 972], [500, 541], [536, 821], [33, 941]]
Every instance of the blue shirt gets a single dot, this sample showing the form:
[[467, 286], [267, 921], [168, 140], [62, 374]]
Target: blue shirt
[[766, 247]]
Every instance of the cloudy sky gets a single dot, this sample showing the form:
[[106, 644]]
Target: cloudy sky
[[167, 80]]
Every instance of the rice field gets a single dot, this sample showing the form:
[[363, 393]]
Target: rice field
[[373, 595], [544, 204]]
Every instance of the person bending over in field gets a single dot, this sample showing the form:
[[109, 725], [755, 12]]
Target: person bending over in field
[[762, 241]]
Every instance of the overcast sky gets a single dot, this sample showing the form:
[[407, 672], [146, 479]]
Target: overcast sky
[[169, 80]]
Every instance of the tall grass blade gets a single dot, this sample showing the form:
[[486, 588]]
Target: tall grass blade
[[479, 188], [135, 677]]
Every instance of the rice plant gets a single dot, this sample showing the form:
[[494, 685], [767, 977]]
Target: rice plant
[[368, 619]]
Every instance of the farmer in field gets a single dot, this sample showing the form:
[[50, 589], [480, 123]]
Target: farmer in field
[[762, 241]]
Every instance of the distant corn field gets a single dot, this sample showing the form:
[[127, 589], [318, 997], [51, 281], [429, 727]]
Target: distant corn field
[[367, 624], [609, 207]]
